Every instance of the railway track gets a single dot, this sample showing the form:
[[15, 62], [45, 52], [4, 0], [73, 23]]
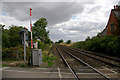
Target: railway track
[[97, 54], [113, 62], [73, 72], [59, 49]]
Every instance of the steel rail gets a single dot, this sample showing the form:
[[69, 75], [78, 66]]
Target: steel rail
[[73, 72], [93, 53], [88, 65], [96, 58]]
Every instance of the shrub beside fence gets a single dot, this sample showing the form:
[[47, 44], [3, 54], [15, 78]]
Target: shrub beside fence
[[15, 53]]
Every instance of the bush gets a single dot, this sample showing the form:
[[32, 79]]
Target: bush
[[60, 41], [47, 47], [7, 54], [48, 58], [43, 46], [109, 45], [40, 45], [68, 42], [15, 53], [22, 65]]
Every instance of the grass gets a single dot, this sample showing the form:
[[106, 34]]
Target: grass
[[8, 60], [22, 65], [4, 65], [67, 44], [48, 58]]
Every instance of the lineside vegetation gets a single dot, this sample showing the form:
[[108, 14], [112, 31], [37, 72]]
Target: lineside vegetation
[[109, 45]]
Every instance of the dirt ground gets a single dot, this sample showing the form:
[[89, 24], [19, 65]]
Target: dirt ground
[[58, 62]]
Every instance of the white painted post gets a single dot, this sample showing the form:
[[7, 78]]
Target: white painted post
[[24, 47]]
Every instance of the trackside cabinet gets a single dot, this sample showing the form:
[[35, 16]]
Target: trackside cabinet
[[36, 57]]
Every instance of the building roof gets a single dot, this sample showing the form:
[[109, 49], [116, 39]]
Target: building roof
[[104, 32]]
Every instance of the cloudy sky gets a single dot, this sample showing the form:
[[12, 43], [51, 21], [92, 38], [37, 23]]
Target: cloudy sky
[[73, 20]]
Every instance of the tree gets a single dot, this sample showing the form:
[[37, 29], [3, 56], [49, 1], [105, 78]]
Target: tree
[[39, 30], [60, 41], [56, 42], [2, 26], [68, 42], [88, 38], [11, 37], [98, 34], [5, 37], [14, 36]]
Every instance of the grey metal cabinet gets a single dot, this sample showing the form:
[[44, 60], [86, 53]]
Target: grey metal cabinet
[[37, 57]]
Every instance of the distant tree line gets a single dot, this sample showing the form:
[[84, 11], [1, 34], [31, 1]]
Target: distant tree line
[[61, 41]]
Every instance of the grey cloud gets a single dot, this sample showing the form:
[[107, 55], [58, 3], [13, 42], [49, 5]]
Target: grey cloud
[[82, 31], [54, 12], [87, 26], [56, 35], [95, 9], [107, 13], [58, 13]]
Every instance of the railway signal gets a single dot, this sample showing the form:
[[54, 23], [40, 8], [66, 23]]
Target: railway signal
[[21, 32], [24, 36]]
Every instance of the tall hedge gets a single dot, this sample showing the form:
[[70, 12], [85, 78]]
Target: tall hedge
[[109, 45]]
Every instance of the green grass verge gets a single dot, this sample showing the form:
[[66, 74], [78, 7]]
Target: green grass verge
[[48, 58], [4, 65]]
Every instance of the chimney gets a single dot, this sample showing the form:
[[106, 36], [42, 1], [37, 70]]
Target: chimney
[[117, 7], [114, 6]]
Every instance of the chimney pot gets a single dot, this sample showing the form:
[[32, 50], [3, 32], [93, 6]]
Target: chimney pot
[[114, 6]]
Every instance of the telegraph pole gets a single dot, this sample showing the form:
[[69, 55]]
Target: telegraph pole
[[31, 29]]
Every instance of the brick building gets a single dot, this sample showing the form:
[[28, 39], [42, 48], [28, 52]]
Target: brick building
[[113, 26]]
